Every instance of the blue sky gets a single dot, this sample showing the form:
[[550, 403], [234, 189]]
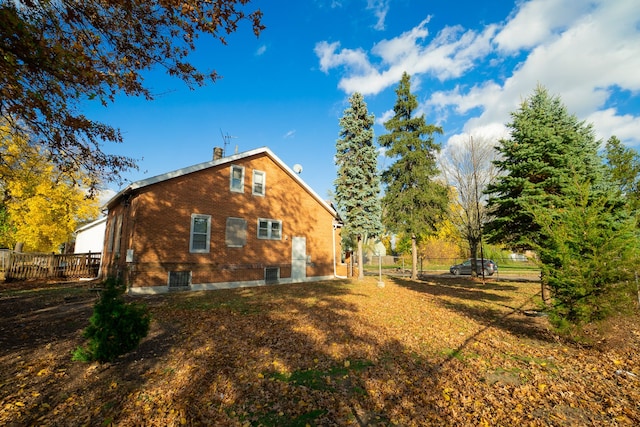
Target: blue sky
[[471, 62]]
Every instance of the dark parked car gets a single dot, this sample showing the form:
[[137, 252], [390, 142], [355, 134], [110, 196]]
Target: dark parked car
[[490, 267]]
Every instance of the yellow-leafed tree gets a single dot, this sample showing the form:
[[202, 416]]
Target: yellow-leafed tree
[[41, 206], [444, 245]]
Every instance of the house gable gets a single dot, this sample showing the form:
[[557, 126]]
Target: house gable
[[215, 164]]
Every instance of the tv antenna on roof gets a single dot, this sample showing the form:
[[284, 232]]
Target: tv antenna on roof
[[225, 141]]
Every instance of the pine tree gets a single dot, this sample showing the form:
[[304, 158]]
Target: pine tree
[[588, 258], [556, 196], [358, 183], [624, 165], [414, 202], [116, 326], [547, 147]]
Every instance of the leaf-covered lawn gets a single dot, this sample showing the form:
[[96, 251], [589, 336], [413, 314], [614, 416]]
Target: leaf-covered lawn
[[436, 352]]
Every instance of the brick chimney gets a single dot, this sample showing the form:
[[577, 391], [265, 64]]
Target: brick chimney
[[217, 153]]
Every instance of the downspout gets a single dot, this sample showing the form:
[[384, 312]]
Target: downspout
[[335, 271]]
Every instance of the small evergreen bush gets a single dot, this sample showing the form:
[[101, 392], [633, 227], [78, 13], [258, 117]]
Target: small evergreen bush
[[588, 260], [115, 328]]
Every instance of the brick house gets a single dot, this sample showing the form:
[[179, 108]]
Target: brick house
[[243, 220]]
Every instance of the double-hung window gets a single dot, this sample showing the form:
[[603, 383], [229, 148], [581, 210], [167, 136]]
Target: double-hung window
[[200, 233], [259, 179], [237, 179], [269, 229]]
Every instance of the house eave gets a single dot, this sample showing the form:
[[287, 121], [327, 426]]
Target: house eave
[[213, 163]]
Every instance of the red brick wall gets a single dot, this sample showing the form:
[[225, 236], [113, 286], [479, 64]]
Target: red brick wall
[[156, 225]]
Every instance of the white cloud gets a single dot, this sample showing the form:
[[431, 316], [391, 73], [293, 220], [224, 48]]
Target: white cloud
[[581, 50], [290, 134], [477, 96], [492, 132], [451, 53], [353, 60], [608, 123], [537, 22], [581, 62], [384, 117], [399, 48], [261, 50], [105, 195], [380, 9]]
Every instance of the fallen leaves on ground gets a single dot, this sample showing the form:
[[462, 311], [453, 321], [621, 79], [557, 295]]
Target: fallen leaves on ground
[[430, 352]]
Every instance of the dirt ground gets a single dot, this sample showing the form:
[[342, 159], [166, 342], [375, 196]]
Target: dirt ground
[[208, 360], [40, 325]]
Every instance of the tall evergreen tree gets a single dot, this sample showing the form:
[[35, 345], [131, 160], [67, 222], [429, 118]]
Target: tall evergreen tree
[[547, 147], [624, 165], [556, 196], [358, 183], [414, 202]]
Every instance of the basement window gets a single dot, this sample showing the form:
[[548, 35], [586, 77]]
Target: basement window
[[179, 279], [271, 275]]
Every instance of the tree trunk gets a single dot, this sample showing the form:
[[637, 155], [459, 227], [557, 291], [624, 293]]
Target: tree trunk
[[473, 246], [545, 291], [360, 259], [414, 257]]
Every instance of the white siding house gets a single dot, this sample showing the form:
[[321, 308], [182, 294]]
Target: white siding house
[[90, 238]]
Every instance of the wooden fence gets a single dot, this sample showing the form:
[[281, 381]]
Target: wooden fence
[[22, 266]]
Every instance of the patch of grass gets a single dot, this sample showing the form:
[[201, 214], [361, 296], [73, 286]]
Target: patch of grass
[[320, 380], [309, 378], [544, 363], [456, 353]]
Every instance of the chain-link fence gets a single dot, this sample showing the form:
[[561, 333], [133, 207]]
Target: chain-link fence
[[402, 265]]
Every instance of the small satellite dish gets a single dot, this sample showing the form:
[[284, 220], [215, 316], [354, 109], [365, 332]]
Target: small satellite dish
[[297, 168]]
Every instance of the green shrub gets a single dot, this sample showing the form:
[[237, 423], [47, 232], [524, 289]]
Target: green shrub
[[115, 328], [588, 259]]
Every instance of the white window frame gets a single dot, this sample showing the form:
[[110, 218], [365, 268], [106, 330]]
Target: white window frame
[[192, 232], [263, 174], [269, 229], [236, 189], [264, 183]]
